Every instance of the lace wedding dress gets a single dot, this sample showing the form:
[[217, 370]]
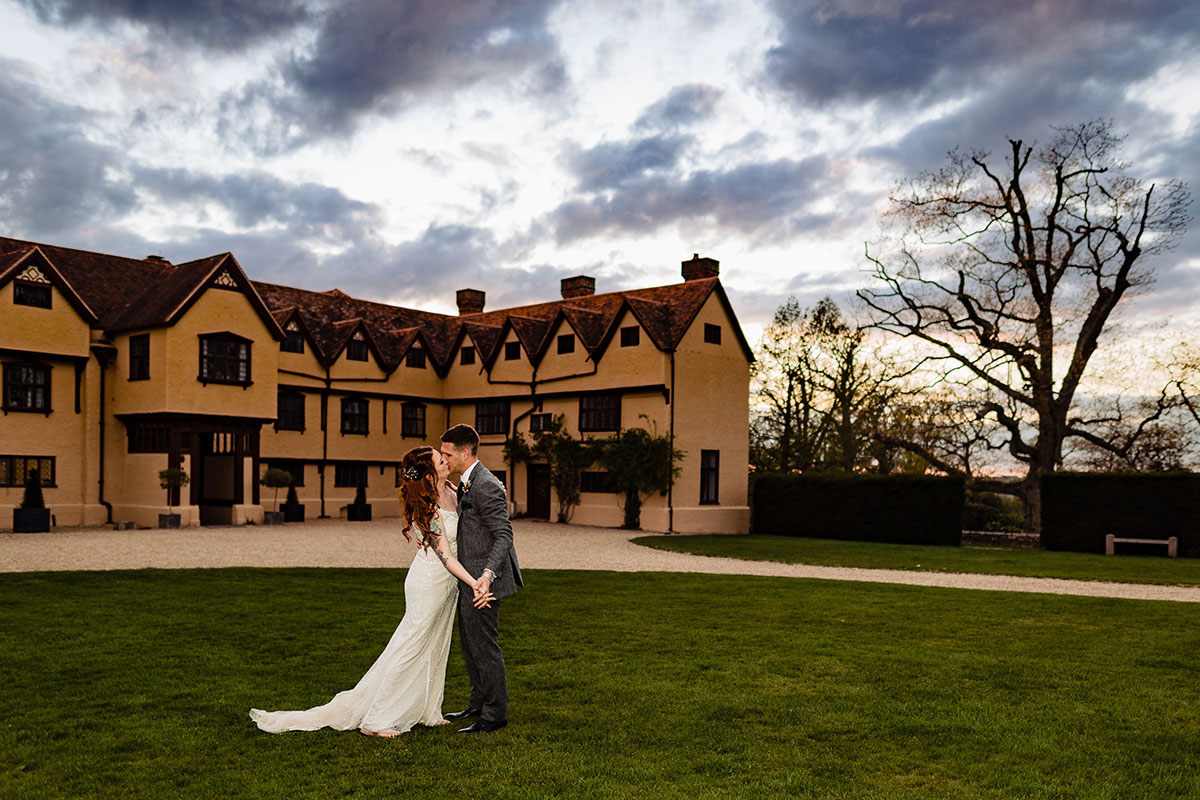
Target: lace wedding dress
[[405, 684]]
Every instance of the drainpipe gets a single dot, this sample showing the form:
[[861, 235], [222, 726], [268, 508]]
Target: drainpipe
[[671, 472], [107, 505], [512, 466], [324, 438]]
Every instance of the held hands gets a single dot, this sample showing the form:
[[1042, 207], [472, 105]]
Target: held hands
[[483, 593]]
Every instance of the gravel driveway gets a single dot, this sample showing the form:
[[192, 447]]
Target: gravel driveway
[[540, 545]]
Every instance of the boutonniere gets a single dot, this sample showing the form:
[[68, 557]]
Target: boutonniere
[[466, 486]]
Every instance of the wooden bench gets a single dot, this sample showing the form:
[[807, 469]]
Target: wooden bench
[[1111, 541]]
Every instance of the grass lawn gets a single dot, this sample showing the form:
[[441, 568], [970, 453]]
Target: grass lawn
[[927, 558], [136, 685]]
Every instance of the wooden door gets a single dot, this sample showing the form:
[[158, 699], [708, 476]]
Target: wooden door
[[538, 500]]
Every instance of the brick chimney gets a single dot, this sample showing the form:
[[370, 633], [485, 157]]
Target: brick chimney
[[158, 260], [579, 286], [699, 267], [470, 301]]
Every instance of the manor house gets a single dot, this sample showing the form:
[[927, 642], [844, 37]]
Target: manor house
[[116, 368]]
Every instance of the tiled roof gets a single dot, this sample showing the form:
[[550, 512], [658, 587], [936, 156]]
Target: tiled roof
[[130, 293]]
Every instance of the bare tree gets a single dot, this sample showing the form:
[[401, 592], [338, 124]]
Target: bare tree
[[1007, 274]]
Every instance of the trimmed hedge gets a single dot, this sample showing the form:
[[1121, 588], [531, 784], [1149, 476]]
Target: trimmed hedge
[[1080, 509], [899, 509]]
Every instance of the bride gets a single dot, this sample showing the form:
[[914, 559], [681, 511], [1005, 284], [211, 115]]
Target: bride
[[404, 686]]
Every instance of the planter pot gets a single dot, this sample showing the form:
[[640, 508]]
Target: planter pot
[[168, 520], [293, 512], [272, 518], [31, 520], [358, 512]]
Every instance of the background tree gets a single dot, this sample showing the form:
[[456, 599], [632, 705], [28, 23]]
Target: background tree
[[639, 463], [172, 479], [276, 478], [1007, 273], [566, 456]]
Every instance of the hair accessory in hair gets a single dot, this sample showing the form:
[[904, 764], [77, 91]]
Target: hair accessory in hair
[[411, 473]]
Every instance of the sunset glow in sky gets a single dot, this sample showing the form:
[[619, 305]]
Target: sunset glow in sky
[[402, 150]]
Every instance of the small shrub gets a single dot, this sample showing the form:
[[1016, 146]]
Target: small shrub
[[33, 490]]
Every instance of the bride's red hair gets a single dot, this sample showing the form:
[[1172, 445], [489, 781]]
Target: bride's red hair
[[418, 492]]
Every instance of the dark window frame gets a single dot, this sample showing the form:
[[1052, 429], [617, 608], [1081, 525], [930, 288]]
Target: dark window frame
[[8, 471], [415, 358], [492, 417], [712, 333], [292, 466], [346, 474], [349, 415], [216, 366], [512, 351], [289, 423], [139, 357], [566, 344], [412, 420], [599, 412], [710, 477], [540, 422], [631, 336], [293, 341], [357, 350], [15, 389], [466, 355], [148, 436], [31, 293], [595, 482]]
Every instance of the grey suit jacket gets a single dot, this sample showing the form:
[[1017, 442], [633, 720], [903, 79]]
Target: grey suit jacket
[[485, 537]]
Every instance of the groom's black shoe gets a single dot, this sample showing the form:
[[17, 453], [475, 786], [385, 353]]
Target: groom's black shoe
[[484, 726], [457, 715]]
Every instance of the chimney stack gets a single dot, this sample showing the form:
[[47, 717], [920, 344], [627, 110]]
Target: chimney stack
[[158, 260], [470, 301], [579, 286], [699, 267]]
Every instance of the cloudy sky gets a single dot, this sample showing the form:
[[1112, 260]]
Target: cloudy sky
[[400, 150]]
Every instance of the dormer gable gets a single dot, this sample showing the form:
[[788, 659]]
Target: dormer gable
[[30, 267]]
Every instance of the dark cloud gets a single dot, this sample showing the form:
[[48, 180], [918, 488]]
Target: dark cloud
[[52, 178], [612, 164], [853, 50], [774, 197], [683, 106], [373, 54], [255, 198], [217, 24]]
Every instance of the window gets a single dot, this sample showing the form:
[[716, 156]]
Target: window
[[13, 469], [224, 359], [541, 422], [148, 437], [289, 415], [27, 293], [350, 474], [491, 416], [412, 420], [596, 482], [466, 355], [566, 343], [293, 340], [712, 333], [710, 469], [415, 358], [600, 412], [502, 476], [26, 387], [292, 466], [512, 351], [354, 415], [139, 357], [630, 336], [356, 350]]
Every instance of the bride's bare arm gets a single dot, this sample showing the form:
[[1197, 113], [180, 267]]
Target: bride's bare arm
[[441, 549]]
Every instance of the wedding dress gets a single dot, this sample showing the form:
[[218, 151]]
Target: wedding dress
[[405, 684]]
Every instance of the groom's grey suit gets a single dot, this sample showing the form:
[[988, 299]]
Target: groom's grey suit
[[485, 541]]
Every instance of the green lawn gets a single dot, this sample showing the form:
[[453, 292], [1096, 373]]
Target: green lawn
[[927, 558], [136, 685]]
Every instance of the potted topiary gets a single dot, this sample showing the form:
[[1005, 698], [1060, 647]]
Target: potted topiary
[[275, 478], [360, 509], [293, 509], [32, 516], [171, 479]]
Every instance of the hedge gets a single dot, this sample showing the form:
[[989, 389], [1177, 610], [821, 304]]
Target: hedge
[[900, 509], [1080, 509]]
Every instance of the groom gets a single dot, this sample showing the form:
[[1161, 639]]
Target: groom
[[485, 548]]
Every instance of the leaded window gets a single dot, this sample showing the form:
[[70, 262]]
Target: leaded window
[[13, 469], [27, 293], [224, 359], [595, 482], [26, 387], [289, 411], [412, 420], [512, 351], [491, 416], [354, 415], [600, 412], [139, 357], [292, 466], [293, 340], [712, 333], [148, 437], [710, 471], [540, 422], [466, 355], [350, 473], [356, 350], [415, 358], [631, 336]]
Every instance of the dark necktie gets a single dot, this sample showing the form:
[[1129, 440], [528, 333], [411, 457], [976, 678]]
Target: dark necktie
[[459, 492]]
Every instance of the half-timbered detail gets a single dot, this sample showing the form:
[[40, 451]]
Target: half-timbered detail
[[195, 366]]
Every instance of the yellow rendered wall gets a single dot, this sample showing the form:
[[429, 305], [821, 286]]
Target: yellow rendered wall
[[58, 329]]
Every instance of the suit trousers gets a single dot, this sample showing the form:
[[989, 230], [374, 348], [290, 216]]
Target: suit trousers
[[478, 628]]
